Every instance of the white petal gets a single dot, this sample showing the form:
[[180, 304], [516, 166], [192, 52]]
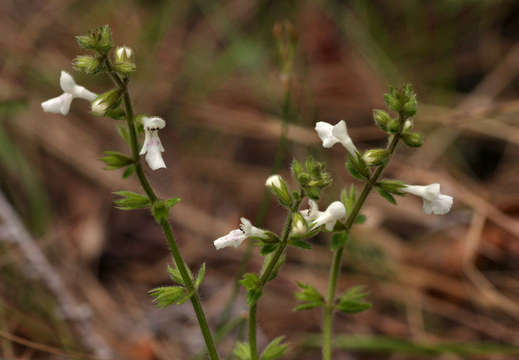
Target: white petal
[[274, 181], [67, 82], [154, 158], [154, 122], [233, 238], [340, 132], [324, 131], [440, 206], [83, 93], [58, 105]]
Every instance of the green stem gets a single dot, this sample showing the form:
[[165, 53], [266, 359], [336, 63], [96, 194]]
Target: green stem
[[262, 212], [166, 227], [337, 257], [265, 277]]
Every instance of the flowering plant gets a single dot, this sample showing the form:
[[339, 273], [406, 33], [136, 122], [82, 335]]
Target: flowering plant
[[310, 177]]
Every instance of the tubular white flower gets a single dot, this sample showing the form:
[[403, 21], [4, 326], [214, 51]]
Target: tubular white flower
[[298, 227], [237, 236], [312, 212], [334, 212], [250, 230], [61, 104], [433, 201], [233, 238], [332, 134], [152, 146]]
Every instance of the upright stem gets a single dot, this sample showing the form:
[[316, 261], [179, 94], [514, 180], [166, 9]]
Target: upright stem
[[260, 217], [337, 257], [166, 227], [265, 277]]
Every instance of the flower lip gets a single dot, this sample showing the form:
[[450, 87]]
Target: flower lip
[[274, 181], [153, 123]]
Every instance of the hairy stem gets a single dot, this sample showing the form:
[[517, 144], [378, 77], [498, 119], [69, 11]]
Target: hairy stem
[[265, 277], [337, 257], [166, 227]]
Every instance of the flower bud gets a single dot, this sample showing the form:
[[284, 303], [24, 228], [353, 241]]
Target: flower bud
[[381, 118], [393, 126], [87, 64], [105, 102], [279, 188], [298, 225], [375, 156], [412, 139], [122, 54]]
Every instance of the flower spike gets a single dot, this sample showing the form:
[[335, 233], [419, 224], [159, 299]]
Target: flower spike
[[152, 146], [433, 201], [61, 104]]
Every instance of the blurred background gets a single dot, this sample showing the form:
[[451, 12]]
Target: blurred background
[[75, 272]]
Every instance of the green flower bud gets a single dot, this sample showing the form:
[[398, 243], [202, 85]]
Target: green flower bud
[[393, 126], [279, 188], [381, 118], [375, 157], [87, 64], [412, 139], [105, 102], [299, 227]]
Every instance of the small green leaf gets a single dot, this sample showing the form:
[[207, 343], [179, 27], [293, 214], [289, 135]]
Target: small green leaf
[[125, 134], [115, 160], [338, 240], [310, 297], [249, 281], [353, 301], [160, 211], [131, 201], [174, 274], [386, 195], [171, 202], [167, 295], [274, 350], [360, 219], [242, 351], [268, 248], [129, 171], [300, 244], [200, 276]]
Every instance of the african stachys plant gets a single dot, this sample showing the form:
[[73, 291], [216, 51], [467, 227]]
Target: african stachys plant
[[141, 133]]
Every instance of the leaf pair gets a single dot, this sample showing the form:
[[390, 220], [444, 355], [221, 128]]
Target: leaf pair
[[273, 351]]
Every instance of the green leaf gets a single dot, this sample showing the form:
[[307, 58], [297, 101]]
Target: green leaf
[[174, 274], [338, 240], [360, 219], [300, 244], [167, 295], [274, 350], [242, 351], [200, 276], [386, 195], [310, 297], [350, 165], [116, 160], [268, 248], [353, 301], [125, 134], [160, 211], [249, 281], [171, 202], [129, 171], [131, 201], [349, 198]]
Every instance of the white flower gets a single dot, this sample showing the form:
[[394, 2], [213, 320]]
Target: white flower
[[152, 146], [332, 134], [433, 201], [334, 212], [61, 104], [123, 52], [312, 212], [274, 181], [233, 238], [237, 236]]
